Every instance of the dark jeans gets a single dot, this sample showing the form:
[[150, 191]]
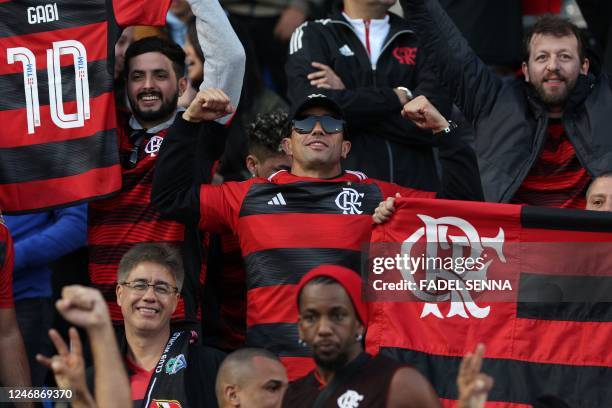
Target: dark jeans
[[35, 317]]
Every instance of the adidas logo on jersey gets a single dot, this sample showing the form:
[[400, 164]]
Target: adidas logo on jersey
[[346, 51], [278, 199]]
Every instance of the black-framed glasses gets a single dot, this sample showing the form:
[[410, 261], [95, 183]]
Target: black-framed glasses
[[160, 288], [328, 123]]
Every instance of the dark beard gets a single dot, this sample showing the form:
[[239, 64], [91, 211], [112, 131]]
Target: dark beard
[[166, 109], [332, 365], [557, 100]]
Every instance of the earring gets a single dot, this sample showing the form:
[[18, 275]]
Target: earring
[[358, 337], [302, 343]]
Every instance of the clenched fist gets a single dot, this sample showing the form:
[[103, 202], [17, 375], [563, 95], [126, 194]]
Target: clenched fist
[[424, 114]]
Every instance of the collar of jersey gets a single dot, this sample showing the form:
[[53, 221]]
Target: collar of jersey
[[285, 177]]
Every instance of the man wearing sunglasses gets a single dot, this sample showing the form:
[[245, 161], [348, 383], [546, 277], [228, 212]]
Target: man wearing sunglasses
[[163, 365], [295, 220]]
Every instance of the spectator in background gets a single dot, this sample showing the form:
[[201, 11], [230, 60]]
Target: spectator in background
[[540, 139], [269, 24], [333, 319], [249, 378], [150, 278], [296, 219], [599, 193], [178, 19], [371, 63], [14, 370], [41, 239], [85, 308]]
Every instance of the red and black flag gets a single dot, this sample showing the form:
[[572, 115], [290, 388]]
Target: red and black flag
[[533, 284], [58, 139]]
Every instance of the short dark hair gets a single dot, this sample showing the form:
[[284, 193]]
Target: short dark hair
[[160, 254], [234, 362], [156, 44], [555, 26], [266, 133]]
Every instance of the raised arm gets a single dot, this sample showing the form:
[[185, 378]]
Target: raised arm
[[224, 56], [460, 176], [473, 86], [176, 187]]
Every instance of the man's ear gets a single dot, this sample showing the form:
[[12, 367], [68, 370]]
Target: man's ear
[[286, 145], [118, 292], [183, 83], [525, 70], [231, 395], [251, 163], [346, 148], [584, 68]]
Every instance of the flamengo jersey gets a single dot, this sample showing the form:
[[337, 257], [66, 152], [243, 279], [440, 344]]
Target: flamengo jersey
[[58, 141], [286, 227], [116, 224], [6, 268]]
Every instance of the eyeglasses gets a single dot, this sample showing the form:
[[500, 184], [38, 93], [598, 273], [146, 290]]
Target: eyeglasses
[[328, 123], [160, 288]]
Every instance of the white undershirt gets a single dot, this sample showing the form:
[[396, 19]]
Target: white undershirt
[[377, 30]]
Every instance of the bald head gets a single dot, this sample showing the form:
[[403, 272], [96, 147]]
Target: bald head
[[251, 378]]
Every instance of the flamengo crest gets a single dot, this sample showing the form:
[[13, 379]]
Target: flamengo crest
[[435, 234]]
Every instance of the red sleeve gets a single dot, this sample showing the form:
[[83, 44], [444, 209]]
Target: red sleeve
[[141, 12], [6, 269], [220, 205], [389, 190]]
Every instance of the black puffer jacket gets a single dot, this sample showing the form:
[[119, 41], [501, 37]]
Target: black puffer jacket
[[384, 145], [509, 119]]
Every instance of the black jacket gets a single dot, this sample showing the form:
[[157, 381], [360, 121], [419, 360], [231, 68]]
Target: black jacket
[[385, 145], [509, 119]]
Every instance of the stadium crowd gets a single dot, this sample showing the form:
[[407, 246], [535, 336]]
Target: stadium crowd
[[246, 150]]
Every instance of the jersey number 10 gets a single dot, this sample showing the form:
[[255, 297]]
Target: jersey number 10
[[56, 104]]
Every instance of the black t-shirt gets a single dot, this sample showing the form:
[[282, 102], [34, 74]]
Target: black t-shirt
[[368, 387]]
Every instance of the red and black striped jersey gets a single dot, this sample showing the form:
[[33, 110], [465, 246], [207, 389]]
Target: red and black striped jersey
[[6, 268], [58, 144], [118, 223], [288, 225], [557, 179]]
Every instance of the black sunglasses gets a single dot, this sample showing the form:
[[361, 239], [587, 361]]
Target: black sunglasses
[[328, 123]]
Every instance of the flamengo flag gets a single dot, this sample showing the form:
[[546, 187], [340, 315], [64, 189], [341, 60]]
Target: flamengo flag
[[545, 318], [58, 136]]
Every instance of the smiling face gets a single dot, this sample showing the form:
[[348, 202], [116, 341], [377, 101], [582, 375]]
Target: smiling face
[[147, 312], [317, 152], [328, 323], [152, 88], [553, 68]]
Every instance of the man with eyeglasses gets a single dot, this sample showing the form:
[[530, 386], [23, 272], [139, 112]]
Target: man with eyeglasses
[[163, 365], [295, 220]]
